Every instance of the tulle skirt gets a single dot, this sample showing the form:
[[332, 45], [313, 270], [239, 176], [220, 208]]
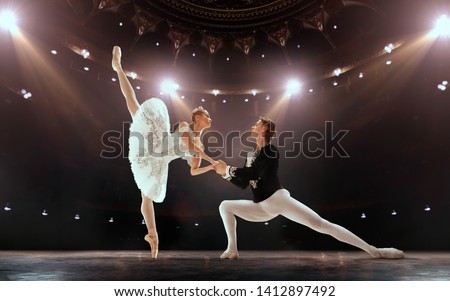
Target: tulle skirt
[[148, 148]]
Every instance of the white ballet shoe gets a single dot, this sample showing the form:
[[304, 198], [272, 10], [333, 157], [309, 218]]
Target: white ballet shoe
[[229, 255], [390, 253], [117, 54], [153, 244]]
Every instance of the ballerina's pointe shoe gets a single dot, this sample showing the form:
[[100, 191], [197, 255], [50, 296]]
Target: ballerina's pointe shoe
[[229, 255], [391, 253], [153, 244], [117, 54]]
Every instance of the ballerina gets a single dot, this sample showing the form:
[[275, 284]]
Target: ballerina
[[271, 199], [152, 147]]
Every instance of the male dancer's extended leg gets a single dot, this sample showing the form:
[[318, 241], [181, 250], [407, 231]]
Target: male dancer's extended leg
[[294, 210], [148, 212], [245, 209]]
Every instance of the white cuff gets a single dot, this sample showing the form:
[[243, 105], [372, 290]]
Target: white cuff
[[227, 173]]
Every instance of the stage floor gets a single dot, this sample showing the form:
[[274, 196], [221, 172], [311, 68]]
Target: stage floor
[[206, 266]]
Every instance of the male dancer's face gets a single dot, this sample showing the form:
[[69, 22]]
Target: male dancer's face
[[258, 128]]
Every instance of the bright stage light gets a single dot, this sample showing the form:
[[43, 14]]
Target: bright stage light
[[388, 48], [442, 87], [442, 27], [8, 21], [85, 53], [337, 71], [293, 86], [169, 86]]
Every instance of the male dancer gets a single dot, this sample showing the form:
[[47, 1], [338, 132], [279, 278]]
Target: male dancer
[[270, 199]]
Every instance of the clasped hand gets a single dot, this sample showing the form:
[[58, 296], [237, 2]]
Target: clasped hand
[[220, 167]]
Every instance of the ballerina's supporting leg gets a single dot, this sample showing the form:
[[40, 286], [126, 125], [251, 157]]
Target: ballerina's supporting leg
[[148, 212]]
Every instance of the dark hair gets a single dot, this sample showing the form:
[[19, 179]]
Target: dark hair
[[270, 128], [197, 111]]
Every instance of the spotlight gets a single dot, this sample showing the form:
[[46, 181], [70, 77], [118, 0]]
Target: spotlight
[[85, 53], [215, 92], [26, 94], [138, 87], [77, 216], [44, 213], [266, 223], [268, 97], [196, 224], [143, 222], [442, 27], [335, 83], [133, 75], [427, 208], [254, 92], [203, 100], [443, 85], [224, 101], [7, 207], [86, 68], [54, 52], [246, 100], [193, 54], [169, 86], [388, 62], [337, 71], [111, 220], [363, 215], [389, 47], [293, 86], [361, 75], [311, 90], [394, 212], [114, 79], [8, 21]]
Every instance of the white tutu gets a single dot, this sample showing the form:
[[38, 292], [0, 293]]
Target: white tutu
[[152, 147]]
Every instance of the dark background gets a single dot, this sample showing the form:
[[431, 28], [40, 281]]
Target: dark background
[[398, 146]]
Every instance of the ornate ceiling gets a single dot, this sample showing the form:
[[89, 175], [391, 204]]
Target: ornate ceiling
[[220, 31]]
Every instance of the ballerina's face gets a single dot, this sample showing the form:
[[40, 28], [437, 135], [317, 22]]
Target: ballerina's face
[[204, 120]]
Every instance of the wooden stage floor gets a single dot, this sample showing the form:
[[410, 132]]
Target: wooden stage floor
[[206, 266]]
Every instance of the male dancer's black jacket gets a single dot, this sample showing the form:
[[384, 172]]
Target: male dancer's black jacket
[[262, 174]]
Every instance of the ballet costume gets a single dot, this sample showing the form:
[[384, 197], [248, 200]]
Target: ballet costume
[[152, 147]]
